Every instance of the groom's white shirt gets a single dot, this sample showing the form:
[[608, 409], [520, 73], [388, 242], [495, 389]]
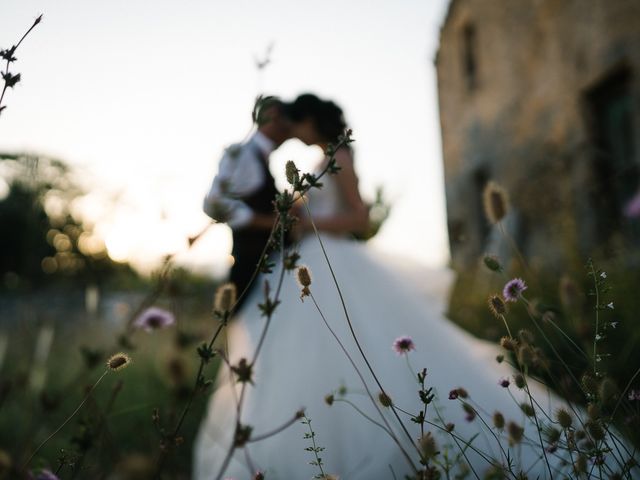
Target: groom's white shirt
[[239, 174]]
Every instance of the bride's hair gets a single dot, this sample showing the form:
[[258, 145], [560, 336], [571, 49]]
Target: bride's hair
[[326, 115]]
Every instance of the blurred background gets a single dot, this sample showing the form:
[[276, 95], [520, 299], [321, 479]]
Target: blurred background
[[111, 138]]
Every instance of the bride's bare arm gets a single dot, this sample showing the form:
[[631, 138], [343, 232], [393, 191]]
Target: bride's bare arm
[[356, 217]]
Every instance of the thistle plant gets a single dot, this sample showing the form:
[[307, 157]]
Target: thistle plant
[[8, 56]]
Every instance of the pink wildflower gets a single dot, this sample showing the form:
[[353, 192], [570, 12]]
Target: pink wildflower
[[513, 289], [403, 345], [154, 318]]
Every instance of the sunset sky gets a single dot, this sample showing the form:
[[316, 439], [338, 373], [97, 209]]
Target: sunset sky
[[142, 97]]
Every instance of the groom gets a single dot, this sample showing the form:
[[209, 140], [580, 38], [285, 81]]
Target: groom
[[243, 191]]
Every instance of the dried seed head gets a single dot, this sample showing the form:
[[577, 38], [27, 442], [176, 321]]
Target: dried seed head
[[527, 409], [526, 336], [497, 306], [384, 399], [525, 355], [498, 420], [118, 361], [596, 431], [292, 173], [564, 418], [225, 297], [593, 411], [580, 465], [303, 276], [328, 399], [496, 202], [519, 380], [428, 446], [509, 344], [590, 384], [608, 391], [492, 263], [515, 432]]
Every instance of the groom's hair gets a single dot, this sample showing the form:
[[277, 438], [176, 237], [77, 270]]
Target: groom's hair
[[266, 104], [327, 117]]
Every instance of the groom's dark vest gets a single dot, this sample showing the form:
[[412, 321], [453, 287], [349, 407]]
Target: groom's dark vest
[[248, 243]]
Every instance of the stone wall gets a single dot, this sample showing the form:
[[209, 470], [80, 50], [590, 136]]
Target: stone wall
[[519, 87]]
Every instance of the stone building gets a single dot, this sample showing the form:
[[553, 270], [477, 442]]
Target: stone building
[[542, 96]]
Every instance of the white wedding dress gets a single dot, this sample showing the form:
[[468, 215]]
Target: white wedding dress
[[301, 363]]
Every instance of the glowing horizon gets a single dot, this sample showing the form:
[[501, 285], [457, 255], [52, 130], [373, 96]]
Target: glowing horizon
[[141, 102]]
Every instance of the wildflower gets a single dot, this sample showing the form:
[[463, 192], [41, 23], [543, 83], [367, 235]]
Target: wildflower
[[303, 276], [504, 382], [154, 318], [292, 173], [500, 358], [497, 306], [258, 476], [613, 324], [492, 263], [118, 361], [513, 289], [225, 297], [403, 345], [564, 418], [498, 420], [610, 305], [496, 202], [453, 394], [603, 275], [634, 395]]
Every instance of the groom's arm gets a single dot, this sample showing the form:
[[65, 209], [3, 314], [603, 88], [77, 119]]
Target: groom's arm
[[238, 176]]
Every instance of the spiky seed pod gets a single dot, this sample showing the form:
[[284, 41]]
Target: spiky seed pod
[[118, 361], [527, 409], [593, 411], [519, 380], [428, 446], [525, 355], [564, 418], [498, 420], [508, 343], [553, 434], [492, 263], [303, 276], [580, 465], [596, 431], [225, 297], [497, 306], [496, 202], [384, 399], [590, 384], [515, 433], [526, 336], [608, 392]]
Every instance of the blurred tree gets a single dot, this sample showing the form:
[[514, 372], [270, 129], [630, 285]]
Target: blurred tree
[[42, 239]]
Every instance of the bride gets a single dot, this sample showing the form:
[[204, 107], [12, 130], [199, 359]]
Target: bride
[[355, 433]]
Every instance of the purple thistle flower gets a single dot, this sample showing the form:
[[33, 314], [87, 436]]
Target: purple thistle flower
[[46, 475], [504, 382], [154, 318], [403, 345], [453, 394], [513, 289], [632, 208]]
